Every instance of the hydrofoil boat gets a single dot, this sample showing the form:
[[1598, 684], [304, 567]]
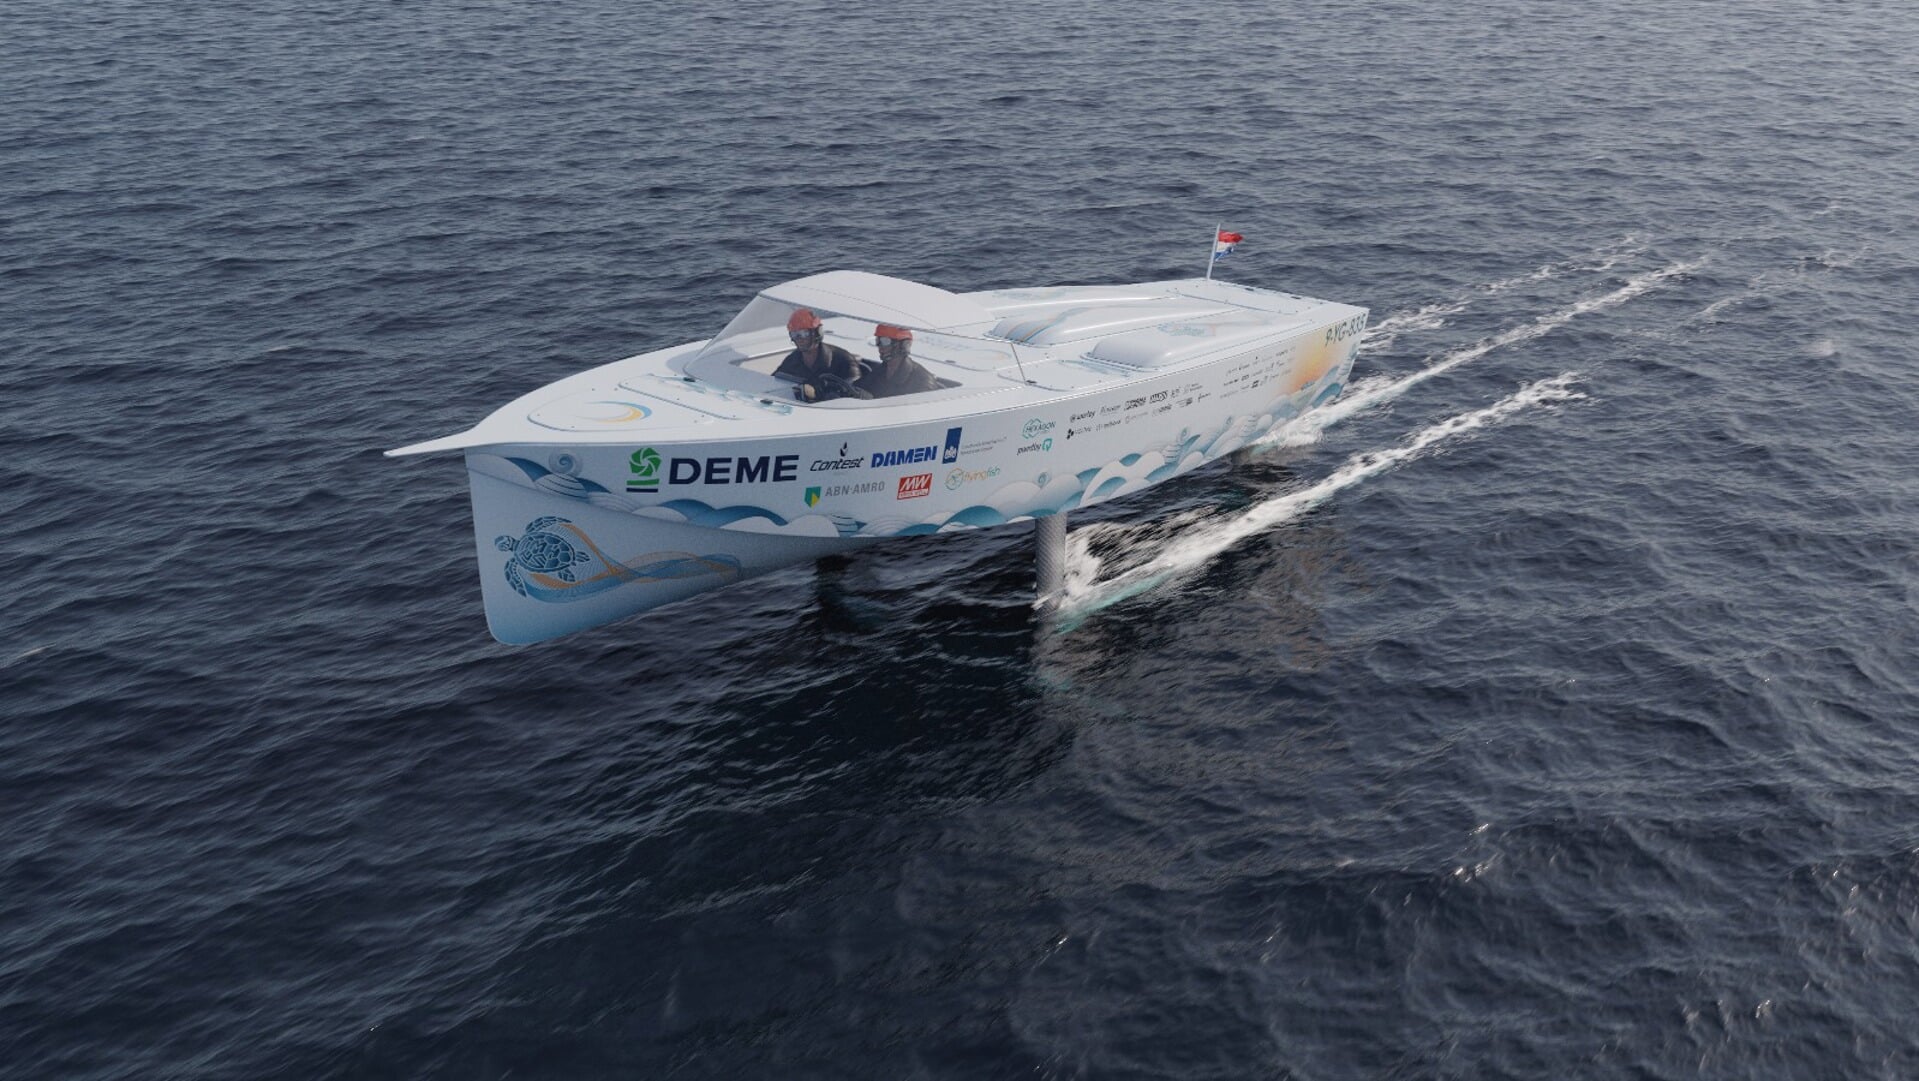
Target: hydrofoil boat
[[667, 474]]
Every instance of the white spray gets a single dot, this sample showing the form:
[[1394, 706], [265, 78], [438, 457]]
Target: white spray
[[1084, 593], [1371, 392]]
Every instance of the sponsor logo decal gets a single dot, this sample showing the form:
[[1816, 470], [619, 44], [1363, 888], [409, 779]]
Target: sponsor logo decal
[[1077, 417], [1035, 428], [967, 476], [908, 456], [1042, 445], [741, 470], [840, 461], [834, 491], [813, 497], [915, 486], [952, 452], [644, 470], [644, 475]]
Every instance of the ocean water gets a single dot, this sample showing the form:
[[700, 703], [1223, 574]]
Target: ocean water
[[1545, 709]]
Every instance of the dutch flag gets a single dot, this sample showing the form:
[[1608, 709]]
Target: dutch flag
[[1224, 243]]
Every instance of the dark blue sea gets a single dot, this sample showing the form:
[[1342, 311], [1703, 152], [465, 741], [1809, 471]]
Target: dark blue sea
[[1548, 711]]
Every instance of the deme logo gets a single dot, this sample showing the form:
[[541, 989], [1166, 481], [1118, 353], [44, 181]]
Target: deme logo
[[951, 453], [645, 465]]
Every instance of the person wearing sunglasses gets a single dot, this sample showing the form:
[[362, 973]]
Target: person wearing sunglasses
[[898, 373], [823, 371]]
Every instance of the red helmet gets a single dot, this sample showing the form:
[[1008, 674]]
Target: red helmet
[[802, 319], [888, 330]]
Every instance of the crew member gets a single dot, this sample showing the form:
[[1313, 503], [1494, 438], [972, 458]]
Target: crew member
[[897, 373], [815, 365]]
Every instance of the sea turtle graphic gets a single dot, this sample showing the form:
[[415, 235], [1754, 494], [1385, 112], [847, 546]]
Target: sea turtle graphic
[[540, 551]]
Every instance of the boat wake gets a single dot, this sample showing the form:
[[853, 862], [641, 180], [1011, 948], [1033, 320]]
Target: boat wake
[[1381, 335], [1187, 543], [1368, 393], [1084, 592]]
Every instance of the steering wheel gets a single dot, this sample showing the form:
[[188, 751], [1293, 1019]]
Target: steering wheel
[[840, 388]]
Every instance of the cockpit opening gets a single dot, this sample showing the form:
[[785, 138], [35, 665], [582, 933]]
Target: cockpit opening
[[824, 355]]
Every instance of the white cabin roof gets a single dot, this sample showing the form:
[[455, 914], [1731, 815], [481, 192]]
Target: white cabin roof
[[881, 299]]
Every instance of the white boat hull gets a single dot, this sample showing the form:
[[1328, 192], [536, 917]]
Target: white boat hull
[[574, 535]]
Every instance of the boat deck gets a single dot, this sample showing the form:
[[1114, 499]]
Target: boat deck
[[1039, 346]]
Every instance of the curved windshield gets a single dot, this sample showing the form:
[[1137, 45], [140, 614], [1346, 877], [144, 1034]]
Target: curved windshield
[[759, 328], [759, 331], [758, 340]]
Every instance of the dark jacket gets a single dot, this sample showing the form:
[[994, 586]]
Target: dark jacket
[[838, 362], [909, 379]]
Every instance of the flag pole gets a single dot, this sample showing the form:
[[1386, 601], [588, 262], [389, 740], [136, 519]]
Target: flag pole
[[1212, 249]]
